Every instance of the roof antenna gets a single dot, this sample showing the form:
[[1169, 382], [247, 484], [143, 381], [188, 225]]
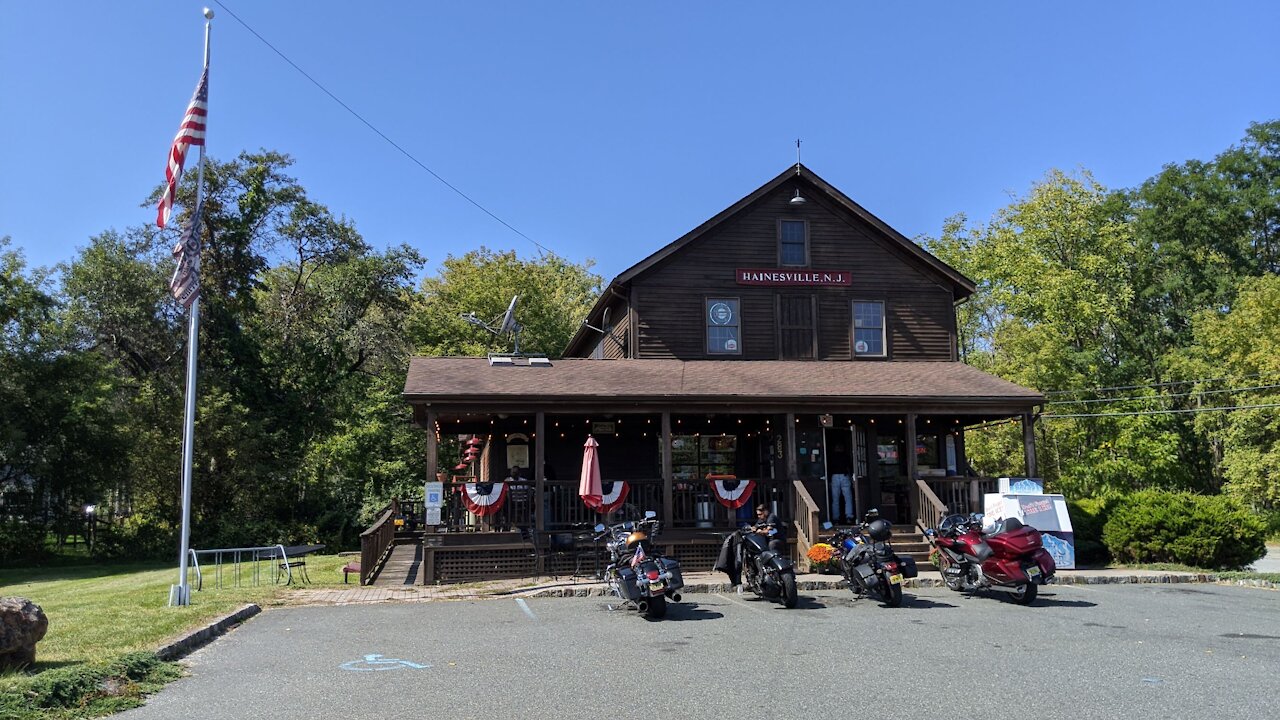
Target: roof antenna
[[797, 156], [504, 325]]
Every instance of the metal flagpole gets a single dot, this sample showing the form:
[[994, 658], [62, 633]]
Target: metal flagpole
[[180, 594]]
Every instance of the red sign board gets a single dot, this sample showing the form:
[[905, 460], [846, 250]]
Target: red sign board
[[775, 276]]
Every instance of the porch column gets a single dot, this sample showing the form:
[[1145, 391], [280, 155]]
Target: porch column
[[1029, 443], [433, 451], [910, 447], [668, 487], [793, 468], [539, 463]]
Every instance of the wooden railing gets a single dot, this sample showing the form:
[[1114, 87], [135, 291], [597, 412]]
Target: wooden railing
[[929, 507], [806, 521], [375, 543], [692, 506], [950, 495]]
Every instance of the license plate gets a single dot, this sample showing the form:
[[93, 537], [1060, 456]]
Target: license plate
[[895, 579], [1033, 572], [657, 587]]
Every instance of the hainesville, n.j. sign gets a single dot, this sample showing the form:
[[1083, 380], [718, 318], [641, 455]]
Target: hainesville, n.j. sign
[[773, 276]]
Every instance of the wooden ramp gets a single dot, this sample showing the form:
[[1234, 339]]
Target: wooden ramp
[[403, 567]]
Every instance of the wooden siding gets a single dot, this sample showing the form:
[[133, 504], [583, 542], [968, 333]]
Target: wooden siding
[[668, 299]]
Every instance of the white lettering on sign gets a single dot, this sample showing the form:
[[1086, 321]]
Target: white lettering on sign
[[766, 276]]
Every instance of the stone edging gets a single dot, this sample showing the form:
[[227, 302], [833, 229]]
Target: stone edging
[[194, 639], [596, 590]]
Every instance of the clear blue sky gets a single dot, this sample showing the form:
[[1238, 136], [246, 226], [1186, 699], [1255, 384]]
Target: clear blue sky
[[605, 130]]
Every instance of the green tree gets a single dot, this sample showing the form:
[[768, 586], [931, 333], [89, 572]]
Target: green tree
[[1240, 348], [555, 296]]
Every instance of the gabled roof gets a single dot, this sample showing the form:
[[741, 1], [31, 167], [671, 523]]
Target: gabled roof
[[962, 286]]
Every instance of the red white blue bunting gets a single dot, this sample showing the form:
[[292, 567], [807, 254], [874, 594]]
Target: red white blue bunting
[[484, 503], [612, 500], [737, 497]]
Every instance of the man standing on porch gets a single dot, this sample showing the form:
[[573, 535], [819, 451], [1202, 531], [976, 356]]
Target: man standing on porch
[[840, 466]]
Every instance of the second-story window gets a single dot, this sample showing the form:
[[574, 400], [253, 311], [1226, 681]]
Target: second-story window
[[793, 243], [868, 329], [723, 327]]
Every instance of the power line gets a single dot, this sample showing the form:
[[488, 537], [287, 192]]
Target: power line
[[381, 134], [1050, 416], [1162, 397], [1149, 385]]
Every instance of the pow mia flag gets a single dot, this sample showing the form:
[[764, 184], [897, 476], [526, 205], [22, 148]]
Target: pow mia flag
[[185, 284]]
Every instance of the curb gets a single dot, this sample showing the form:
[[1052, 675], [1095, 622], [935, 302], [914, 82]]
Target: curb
[[194, 639], [595, 590]]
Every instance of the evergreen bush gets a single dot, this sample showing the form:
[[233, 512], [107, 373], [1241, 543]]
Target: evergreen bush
[[1153, 526]]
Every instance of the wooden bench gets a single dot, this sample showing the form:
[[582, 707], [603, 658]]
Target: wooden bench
[[351, 567]]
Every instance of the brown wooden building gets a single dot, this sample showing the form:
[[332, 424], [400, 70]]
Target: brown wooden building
[[789, 323]]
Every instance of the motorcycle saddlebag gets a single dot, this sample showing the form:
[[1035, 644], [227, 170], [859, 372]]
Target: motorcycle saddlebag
[[907, 566], [627, 584], [868, 575], [672, 566]]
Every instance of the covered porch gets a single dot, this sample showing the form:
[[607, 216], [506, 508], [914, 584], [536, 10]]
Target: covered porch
[[669, 430]]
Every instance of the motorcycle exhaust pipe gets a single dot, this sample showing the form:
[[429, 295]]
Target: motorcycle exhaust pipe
[[643, 606], [675, 597]]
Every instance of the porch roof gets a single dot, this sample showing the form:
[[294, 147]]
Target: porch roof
[[773, 384]]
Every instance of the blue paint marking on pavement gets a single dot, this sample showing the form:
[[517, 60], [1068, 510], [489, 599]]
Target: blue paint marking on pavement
[[525, 607], [377, 663]]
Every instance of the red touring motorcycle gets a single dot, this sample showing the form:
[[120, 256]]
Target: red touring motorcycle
[[1009, 558]]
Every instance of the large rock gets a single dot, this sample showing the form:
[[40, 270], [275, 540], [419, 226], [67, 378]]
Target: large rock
[[22, 625]]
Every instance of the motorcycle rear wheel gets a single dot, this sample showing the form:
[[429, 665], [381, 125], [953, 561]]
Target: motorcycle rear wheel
[[657, 607], [891, 593], [1026, 595], [789, 596]]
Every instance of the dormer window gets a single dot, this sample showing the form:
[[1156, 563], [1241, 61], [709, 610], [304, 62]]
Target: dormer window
[[793, 243]]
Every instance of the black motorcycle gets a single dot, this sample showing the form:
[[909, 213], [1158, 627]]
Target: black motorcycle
[[870, 566], [765, 572], [637, 572]]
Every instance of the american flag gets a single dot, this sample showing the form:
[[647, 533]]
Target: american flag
[[638, 557], [191, 132]]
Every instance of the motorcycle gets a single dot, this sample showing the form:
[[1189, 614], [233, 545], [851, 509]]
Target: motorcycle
[[637, 571], [1010, 558], [868, 561], [765, 572]]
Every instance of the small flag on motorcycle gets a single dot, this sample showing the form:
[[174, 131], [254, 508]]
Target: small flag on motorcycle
[[638, 557]]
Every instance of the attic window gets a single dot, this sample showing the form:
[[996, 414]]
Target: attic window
[[793, 242], [868, 329]]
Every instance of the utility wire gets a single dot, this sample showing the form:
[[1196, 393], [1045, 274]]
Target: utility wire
[[1149, 385], [1054, 416], [1162, 397], [381, 134]]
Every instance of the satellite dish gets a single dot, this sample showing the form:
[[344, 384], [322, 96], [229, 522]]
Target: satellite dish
[[509, 324], [606, 329], [504, 325]]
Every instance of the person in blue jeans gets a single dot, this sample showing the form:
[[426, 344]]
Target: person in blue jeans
[[840, 468]]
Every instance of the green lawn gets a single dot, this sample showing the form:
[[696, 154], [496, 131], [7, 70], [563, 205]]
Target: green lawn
[[98, 614]]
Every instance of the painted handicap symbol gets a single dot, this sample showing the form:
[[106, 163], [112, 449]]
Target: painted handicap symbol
[[377, 663]]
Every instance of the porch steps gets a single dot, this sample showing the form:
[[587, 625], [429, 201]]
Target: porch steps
[[403, 567]]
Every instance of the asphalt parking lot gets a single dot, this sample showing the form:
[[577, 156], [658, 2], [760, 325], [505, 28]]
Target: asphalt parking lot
[[1105, 651]]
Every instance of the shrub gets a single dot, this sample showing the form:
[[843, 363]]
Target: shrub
[[21, 542], [1088, 516], [1210, 532]]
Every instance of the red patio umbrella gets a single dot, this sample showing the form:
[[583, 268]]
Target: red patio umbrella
[[589, 486]]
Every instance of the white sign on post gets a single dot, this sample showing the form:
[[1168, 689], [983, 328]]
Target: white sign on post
[[434, 495], [432, 516]]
